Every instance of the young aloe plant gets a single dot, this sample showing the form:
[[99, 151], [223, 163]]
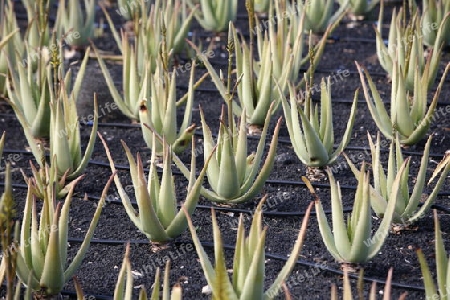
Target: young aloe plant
[[71, 19], [31, 91], [215, 15], [248, 261], [42, 254], [318, 13], [409, 115], [160, 111], [313, 141], [167, 21], [233, 176], [47, 179], [351, 241], [124, 286], [433, 15], [407, 209], [158, 217], [405, 48], [360, 7], [442, 267], [373, 294]]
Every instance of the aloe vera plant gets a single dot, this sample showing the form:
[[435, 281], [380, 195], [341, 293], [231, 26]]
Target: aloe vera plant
[[318, 13], [351, 241], [360, 7], [71, 18], [248, 261], [233, 176], [43, 243], [158, 217], [442, 267], [409, 116], [407, 209], [124, 286], [373, 294], [31, 91], [313, 141], [433, 15], [214, 15], [166, 22], [160, 111], [404, 52]]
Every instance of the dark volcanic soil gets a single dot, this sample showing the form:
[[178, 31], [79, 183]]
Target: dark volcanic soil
[[98, 273]]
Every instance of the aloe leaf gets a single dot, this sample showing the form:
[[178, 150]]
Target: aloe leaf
[[119, 289], [317, 154], [131, 212], [228, 185], [241, 259], [90, 146], [254, 280], [209, 272], [441, 256], [348, 131], [214, 76], [179, 222], [430, 289], [293, 257], [420, 182], [208, 145], [167, 199], [260, 151], [326, 233], [376, 106], [76, 262], [362, 229], [341, 238], [52, 278], [24, 273], [63, 223], [383, 229], [121, 104]]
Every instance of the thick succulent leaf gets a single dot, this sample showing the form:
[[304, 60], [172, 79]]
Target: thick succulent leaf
[[90, 146], [441, 256], [419, 182], [293, 257], [363, 228], [208, 146], [76, 262], [376, 106], [430, 289], [254, 280], [52, 278], [341, 238], [121, 104], [382, 231], [219, 283], [348, 130], [324, 227], [179, 222]]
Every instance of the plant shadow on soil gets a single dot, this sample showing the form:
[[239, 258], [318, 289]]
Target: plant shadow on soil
[[98, 273]]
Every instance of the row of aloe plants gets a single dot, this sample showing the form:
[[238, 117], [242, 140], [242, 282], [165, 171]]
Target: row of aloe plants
[[164, 222], [38, 253]]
